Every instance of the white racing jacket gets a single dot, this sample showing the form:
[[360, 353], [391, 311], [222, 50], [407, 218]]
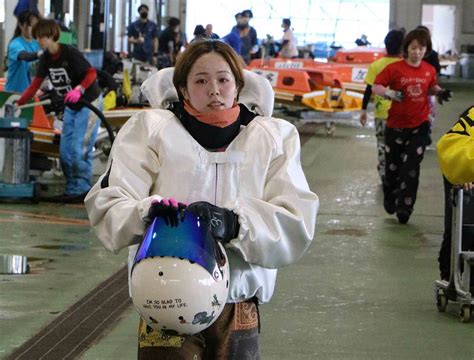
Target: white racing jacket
[[259, 177]]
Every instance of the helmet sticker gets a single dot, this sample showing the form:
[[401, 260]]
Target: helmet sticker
[[202, 318], [215, 302], [162, 304]]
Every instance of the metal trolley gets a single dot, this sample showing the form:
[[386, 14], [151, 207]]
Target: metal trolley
[[458, 288]]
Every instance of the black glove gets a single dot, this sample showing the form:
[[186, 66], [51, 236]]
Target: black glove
[[170, 210], [444, 95], [223, 223]]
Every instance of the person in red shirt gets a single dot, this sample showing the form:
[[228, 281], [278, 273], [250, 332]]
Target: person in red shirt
[[408, 83]]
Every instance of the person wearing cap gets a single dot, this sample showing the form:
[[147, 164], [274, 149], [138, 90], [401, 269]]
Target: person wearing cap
[[288, 41], [143, 34], [199, 33], [248, 35]]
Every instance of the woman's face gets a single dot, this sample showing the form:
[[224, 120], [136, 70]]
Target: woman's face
[[27, 27], [26, 30], [416, 52], [211, 84]]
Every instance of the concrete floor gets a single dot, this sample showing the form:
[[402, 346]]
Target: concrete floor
[[363, 291]]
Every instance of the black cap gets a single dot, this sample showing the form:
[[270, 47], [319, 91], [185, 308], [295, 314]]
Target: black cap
[[247, 13], [143, 6], [199, 30], [173, 21]]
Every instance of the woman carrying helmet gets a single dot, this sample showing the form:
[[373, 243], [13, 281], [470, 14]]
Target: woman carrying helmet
[[210, 142]]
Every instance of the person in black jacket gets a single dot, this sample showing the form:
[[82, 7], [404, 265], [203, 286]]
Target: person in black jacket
[[431, 58], [171, 40]]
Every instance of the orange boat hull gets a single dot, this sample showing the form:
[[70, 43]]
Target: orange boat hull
[[295, 79]]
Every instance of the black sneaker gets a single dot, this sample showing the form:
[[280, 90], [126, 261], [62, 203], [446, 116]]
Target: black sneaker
[[389, 198], [428, 140], [389, 207], [444, 273], [403, 216]]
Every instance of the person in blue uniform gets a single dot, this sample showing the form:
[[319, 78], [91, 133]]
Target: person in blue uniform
[[143, 34]]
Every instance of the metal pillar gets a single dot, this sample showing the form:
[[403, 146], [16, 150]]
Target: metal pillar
[[106, 28], [7, 28], [3, 47], [81, 20], [159, 15]]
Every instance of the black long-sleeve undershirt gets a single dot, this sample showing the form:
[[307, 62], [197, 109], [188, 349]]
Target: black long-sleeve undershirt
[[367, 95], [27, 56]]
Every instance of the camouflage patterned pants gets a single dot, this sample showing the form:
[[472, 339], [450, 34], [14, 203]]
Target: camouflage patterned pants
[[234, 336]]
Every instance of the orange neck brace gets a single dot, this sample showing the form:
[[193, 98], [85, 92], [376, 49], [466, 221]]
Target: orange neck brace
[[218, 118]]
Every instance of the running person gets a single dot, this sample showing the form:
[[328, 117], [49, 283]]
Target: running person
[[408, 83]]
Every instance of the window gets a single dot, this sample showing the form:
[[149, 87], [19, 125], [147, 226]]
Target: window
[[341, 21]]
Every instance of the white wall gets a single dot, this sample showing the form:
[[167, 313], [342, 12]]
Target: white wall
[[10, 21], [407, 13], [445, 25]]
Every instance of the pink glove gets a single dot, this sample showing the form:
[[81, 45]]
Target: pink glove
[[169, 209], [73, 96]]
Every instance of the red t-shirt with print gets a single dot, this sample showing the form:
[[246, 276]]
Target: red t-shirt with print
[[414, 82]]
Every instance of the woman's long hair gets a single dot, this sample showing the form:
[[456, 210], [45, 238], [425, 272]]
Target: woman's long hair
[[23, 18]]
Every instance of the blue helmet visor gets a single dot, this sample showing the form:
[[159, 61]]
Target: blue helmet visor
[[190, 240]]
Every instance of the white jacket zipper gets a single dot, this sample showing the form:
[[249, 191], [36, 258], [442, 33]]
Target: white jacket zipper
[[217, 181]]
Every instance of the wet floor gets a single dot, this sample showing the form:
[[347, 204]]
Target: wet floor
[[364, 290]]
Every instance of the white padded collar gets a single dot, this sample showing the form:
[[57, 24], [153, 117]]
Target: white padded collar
[[257, 94]]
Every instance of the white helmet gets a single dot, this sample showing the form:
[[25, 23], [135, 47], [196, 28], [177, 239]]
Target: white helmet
[[180, 276]]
